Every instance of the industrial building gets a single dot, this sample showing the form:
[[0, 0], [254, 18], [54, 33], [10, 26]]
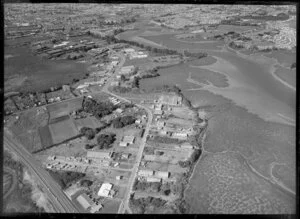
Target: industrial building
[[162, 174], [84, 201], [153, 179], [129, 139], [105, 190]]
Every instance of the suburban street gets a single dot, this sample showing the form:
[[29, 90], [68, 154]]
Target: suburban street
[[58, 199]]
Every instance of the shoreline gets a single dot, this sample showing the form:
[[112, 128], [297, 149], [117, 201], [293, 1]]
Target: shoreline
[[235, 92]]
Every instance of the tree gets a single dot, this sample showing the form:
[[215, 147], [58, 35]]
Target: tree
[[105, 140], [86, 183], [89, 133]]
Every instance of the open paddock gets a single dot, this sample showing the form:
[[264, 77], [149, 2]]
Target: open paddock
[[183, 112], [62, 131], [165, 167], [45, 135], [90, 122], [110, 206], [181, 122]]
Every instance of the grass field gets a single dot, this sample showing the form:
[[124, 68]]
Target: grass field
[[110, 206], [62, 131], [64, 108], [45, 136], [35, 73], [90, 122]]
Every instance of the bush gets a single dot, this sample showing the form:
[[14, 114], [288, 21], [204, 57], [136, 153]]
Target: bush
[[100, 109], [105, 140]]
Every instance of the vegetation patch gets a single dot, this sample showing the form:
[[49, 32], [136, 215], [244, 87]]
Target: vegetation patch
[[45, 136], [66, 178]]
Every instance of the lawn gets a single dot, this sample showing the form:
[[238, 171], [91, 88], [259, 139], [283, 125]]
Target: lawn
[[110, 206]]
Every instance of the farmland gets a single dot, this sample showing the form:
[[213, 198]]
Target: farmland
[[63, 130]]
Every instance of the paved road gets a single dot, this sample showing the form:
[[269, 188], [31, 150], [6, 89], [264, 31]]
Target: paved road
[[58, 199], [124, 204]]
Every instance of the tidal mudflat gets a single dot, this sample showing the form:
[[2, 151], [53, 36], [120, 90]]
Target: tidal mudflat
[[253, 143]]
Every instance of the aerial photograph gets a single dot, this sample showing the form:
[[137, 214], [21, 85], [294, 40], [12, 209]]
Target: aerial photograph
[[149, 108]]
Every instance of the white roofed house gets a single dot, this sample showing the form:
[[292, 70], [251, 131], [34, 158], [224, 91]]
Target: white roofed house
[[129, 139]]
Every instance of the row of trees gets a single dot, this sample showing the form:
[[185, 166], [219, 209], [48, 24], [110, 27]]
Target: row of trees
[[120, 122], [194, 157]]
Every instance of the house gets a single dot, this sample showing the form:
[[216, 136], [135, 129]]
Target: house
[[128, 139], [125, 156], [119, 177], [146, 173], [84, 201], [98, 154], [105, 189], [153, 179], [187, 145], [162, 174], [123, 144]]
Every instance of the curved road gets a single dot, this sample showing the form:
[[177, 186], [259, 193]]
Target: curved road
[[59, 200]]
